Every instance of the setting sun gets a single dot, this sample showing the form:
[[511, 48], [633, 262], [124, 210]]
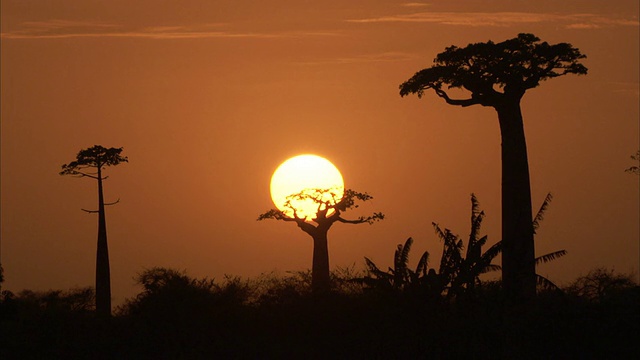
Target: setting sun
[[302, 173]]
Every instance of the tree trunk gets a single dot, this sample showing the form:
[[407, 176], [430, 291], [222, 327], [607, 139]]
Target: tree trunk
[[518, 254], [320, 278], [103, 277]]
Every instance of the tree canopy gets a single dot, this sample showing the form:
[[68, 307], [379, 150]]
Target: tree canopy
[[491, 70], [94, 157], [329, 210], [635, 169]]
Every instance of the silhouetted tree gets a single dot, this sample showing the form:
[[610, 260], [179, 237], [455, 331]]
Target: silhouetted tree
[[600, 284], [78, 300], [400, 277], [90, 163], [458, 273], [498, 75], [329, 211], [462, 273], [634, 169]]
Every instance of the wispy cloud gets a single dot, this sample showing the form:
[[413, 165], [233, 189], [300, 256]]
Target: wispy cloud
[[575, 21], [55, 24], [63, 29], [367, 58], [415, 4], [626, 88]]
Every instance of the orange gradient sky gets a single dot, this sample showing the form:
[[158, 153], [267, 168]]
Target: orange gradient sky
[[209, 97]]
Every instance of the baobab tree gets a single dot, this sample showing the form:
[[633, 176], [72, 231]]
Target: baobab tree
[[329, 211], [90, 163], [498, 75]]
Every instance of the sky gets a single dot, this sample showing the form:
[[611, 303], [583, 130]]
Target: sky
[[207, 98]]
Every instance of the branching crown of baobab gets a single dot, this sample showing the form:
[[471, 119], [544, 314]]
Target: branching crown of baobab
[[491, 71], [330, 208], [95, 157]]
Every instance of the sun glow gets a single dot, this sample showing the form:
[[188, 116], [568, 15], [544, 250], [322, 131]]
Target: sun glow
[[306, 174]]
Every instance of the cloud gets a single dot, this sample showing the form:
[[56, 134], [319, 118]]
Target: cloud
[[64, 29], [368, 58], [631, 89], [55, 24], [574, 21], [415, 4]]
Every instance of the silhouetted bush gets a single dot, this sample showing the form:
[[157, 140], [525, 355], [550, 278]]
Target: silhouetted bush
[[277, 316]]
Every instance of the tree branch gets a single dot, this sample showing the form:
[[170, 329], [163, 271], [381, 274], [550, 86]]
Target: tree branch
[[81, 174], [369, 219], [276, 215], [96, 211], [112, 203], [463, 103], [345, 221]]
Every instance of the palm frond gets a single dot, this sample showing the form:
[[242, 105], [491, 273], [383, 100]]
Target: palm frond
[[545, 283], [373, 269], [476, 222], [459, 246], [422, 264], [441, 234], [404, 254], [450, 264], [490, 268], [550, 256], [474, 245], [482, 241], [540, 215], [397, 259], [493, 251], [475, 205]]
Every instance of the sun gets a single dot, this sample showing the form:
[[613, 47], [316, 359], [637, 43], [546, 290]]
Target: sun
[[303, 173]]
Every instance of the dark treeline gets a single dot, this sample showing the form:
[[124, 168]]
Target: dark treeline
[[176, 316]]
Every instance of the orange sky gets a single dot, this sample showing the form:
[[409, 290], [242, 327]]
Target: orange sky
[[209, 97]]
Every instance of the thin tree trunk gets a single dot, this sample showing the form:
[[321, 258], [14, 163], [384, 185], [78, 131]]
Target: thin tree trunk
[[320, 278], [518, 253], [103, 277]]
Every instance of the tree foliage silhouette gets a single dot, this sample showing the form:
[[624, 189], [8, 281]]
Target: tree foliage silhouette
[[90, 163], [329, 211], [634, 169], [462, 273], [459, 272], [601, 284], [401, 277], [498, 75]]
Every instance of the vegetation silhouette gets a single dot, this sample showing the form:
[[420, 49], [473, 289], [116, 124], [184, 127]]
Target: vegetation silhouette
[[90, 163], [329, 211], [458, 275], [635, 170], [177, 316], [498, 75]]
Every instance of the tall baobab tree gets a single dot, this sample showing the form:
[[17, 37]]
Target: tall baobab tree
[[329, 212], [498, 75], [90, 163]]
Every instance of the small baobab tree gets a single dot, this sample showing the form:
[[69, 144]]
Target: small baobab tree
[[90, 163], [329, 211], [497, 75]]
